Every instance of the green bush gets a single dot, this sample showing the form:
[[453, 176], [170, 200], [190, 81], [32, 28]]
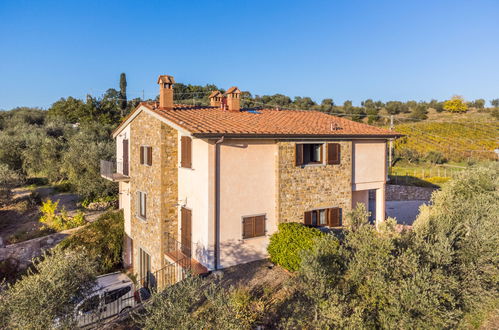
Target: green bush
[[435, 157], [59, 220], [197, 303], [287, 244], [102, 240]]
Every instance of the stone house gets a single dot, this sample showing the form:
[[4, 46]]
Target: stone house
[[213, 182]]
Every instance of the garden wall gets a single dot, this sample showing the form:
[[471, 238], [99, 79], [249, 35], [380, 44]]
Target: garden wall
[[407, 193]]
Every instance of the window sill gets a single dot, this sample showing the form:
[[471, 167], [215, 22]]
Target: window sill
[[312, 165], [141, 218], [253, 238]]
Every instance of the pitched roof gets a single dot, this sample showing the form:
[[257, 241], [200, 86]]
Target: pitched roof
[[214, 93], [233, 89], [166, 79], [204, 121]]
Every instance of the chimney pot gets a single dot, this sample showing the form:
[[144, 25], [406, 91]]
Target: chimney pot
[[165, 83]]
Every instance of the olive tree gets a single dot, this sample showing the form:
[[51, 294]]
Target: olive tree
[[48, 294]]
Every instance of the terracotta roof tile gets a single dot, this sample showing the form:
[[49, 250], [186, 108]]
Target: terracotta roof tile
[[212, 121]]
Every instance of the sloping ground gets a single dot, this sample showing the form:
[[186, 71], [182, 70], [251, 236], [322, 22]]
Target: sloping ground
[[457, 140]]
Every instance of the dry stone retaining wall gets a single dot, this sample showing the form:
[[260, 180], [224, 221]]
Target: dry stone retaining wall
[[407, 193]]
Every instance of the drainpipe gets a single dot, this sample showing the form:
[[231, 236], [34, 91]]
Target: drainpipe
[[217, 201]]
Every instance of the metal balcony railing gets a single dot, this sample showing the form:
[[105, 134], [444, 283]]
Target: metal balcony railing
[[113, 171], [178, 252]]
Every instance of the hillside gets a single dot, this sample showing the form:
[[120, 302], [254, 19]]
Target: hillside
[[466, 137]]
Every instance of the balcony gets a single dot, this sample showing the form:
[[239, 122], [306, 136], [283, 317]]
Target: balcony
[[182, 256], [114, 171]]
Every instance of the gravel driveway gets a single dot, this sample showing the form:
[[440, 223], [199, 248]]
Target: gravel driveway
[[404, 211]]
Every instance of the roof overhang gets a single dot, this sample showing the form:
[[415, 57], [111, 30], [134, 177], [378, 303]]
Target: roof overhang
[[143, 108], [296, 136]]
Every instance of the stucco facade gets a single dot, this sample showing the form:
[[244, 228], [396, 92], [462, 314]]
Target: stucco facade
[[247, 188]]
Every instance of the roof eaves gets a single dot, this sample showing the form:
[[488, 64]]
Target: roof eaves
[[298, 136]]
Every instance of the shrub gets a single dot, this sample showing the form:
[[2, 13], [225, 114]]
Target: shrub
[[102, 241], [47, 293], [287, 244], [59, 221], [435, 157], [456, 104], [195, 303]]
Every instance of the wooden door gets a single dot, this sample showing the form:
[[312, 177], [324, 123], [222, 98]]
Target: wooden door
[[186, 231], [125, 157]]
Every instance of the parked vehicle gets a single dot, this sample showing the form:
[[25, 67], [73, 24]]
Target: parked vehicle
[[114, 294]]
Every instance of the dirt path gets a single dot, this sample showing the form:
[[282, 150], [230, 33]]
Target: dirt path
[[19, 219]]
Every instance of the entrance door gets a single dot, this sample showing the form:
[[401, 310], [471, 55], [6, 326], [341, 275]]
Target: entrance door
[[186, 231], [125, 157]]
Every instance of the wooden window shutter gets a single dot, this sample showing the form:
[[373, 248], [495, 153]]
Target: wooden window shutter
[[141, 155], [333, 217], [299, 155], [333, 153], [259, 225], [186, 152], [149, 156], [308, 218], [145, 205], [248, 227]]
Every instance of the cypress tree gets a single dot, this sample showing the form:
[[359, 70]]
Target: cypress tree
[[123, 101]]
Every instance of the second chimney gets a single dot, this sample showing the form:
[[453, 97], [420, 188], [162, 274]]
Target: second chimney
[[233, 99], [166, 91], [215, 98]]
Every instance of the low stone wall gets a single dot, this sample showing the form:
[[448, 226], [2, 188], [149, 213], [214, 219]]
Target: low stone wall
[[17, 257], [407, 193]]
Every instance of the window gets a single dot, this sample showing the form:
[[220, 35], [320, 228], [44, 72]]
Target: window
[[186, 152], [312, 153], [330, 217], [114, 295], [253, 226], [141, 204], [144, 267], [146, 155]]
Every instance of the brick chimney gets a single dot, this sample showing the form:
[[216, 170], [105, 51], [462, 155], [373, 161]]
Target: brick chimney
[[215, 98], [166, 91], [233, 99]]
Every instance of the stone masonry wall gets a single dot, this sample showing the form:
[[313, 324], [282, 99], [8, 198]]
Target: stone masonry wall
[[407, 193], [310, 187], [158, 181]]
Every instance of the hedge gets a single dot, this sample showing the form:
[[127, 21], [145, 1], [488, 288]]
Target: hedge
[[286, 245]]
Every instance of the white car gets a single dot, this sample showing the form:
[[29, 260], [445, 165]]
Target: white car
[[113, 294]]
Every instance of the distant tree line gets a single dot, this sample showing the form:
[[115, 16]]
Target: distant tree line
[[66, 142]]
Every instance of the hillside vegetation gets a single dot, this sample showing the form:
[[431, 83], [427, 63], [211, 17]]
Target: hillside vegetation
[[456, 141], [447, 137]]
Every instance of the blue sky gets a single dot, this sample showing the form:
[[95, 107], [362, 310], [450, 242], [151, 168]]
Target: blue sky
[[385, 50]]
